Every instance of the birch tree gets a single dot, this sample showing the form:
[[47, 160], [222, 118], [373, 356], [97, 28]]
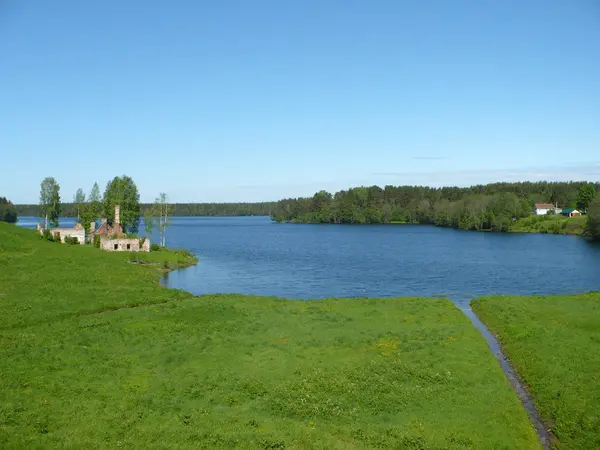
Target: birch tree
[[162, 214], [79, 200], [50, 201]]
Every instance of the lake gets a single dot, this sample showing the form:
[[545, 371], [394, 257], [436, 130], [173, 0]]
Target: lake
[[252, 255]]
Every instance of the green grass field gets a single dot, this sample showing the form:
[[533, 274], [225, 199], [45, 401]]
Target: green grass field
[[551, 224], [554, 343], [94, 353]]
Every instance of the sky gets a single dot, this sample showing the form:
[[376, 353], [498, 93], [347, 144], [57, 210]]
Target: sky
[[222, 101]]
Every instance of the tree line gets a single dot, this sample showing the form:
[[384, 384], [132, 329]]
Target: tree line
[[482, 207], [71, 209], [8, 212]]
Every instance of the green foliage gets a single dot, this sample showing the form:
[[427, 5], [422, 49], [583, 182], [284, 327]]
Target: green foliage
[[554, 342], [593, 219], [94, 196], [79, 201], [90, 211], [158, 217], [48, 236], [553, 224], [96, 241], [585, 196], [407, 205], [123, 191], [8, 213], [154, 247], [136, 364], [50, 207], [71, 240]]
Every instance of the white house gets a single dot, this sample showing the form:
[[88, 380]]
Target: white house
[[541, 209]]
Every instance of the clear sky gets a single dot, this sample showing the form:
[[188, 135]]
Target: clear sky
[[258, 100]]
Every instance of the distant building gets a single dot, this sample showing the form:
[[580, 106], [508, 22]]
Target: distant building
[[570, 212], [112, 238], [541, 209]]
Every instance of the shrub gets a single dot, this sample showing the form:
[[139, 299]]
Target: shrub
[[47, 235], [96, 241], [154, 247], [71, 240], [166, 264]]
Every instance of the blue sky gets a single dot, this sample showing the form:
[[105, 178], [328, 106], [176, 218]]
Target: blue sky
[[258, 100]]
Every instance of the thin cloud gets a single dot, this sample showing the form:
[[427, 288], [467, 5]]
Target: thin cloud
[[575, 172]]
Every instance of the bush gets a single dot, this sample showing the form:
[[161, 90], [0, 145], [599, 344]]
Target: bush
[[96, 241], [71, 240], [154, 247]]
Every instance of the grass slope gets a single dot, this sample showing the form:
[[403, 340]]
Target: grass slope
[[81, 367], [554, 343], [551, 224]]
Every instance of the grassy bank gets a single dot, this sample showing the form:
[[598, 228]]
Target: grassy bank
[[554, 343], [94, 353], [551, 224]]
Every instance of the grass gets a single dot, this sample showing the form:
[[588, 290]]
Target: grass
[[165, 260], [551, 224], [554, 343], [94, 353]]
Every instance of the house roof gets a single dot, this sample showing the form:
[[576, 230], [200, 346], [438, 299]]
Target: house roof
[[544, 206], [569, 210]]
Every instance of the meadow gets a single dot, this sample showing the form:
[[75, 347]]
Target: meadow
[[94, 353], [554, 343], [551, 224]]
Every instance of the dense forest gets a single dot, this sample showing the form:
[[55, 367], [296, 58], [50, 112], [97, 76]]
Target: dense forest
[[8, 213], [482, 207], [178, 209]]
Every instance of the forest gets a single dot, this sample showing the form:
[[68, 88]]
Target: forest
[[491, 207], [176, 209], [8, 212]]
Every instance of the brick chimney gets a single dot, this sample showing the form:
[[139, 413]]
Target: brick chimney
[[117, 216]]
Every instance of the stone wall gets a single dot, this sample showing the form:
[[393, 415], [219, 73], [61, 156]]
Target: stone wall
[[124, 245]]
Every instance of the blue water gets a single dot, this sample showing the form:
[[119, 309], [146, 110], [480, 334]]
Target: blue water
[[254, 256], [251, 255]]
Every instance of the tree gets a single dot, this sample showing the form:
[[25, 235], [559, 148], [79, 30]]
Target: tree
[[123, 191], [79, 201], [95, 194], [148, 222], [593, 224], [585, 196], [8, 213], [50, 201], [92, 209], [162, 215]]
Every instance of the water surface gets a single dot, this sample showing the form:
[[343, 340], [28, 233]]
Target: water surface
[[252, 255]]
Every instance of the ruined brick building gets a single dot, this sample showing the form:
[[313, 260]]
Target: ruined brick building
[[114, 239]]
